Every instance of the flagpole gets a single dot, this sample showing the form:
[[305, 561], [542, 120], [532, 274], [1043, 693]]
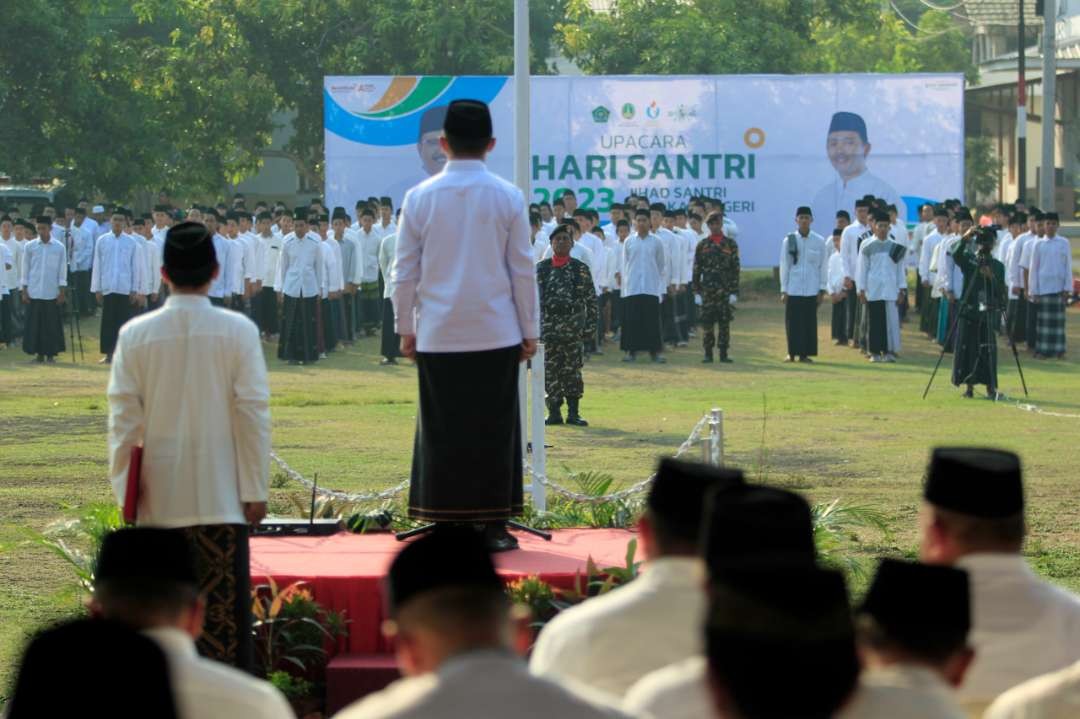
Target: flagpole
[[522, 154]]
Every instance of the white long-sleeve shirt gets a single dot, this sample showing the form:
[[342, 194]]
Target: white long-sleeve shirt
[[599, 266], [836, 274], [7, 260], [1014, 274], [234, 266], [464, 270], [387, 248], [333, 279], [218, 286], [300, 267], [1021, 626], [673, 258], [366, 261], [268, 259], [1051, 267], [207, 689], [189, 384], [809, 274], [44, 269], [117, 270], [849, 247], [1052, 696], [877, 274], [643, 266], [929, 246], [662, 610], [15, 251]]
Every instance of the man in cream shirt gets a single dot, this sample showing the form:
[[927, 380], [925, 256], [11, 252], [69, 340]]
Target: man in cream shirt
[[610, 642], [146, 579], [973, 518], [189, 386]]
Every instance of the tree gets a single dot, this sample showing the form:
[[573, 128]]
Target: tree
[[981, 168]]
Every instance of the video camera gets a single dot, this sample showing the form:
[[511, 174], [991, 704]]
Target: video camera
[[985, 238]]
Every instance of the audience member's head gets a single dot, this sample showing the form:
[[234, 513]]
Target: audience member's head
[[445, 599], [120, 674], [780, 643], [189, 261], [917, 614], [973, 502], [752, 526], [146, 578], [672, 522]]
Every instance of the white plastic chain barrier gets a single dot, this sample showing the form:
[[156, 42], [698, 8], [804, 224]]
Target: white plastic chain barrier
[[1028, 407], [712, 422]]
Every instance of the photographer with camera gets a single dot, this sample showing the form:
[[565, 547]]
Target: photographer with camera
[[979, 310]]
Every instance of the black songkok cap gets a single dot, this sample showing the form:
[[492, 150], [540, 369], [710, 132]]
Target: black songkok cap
[[138, 222], [869, 199], [44, 220], [861, 203], [188, 246], [678, 493], [641, 212], [914, 602], [848, 122], [1019, 218], [1050, 216], [212, 212], [468, 120], [984, 483], [367, 212], [560, 229], [143, 553], [760, 601], [879, 216], [941, 211], [264, 215], [386, 201], [232, 215], [161, 208], [432, 120], [755, 526], [322, 218], [804, 210], [301, 214], [5, 218], [963, 215], [448, 557]]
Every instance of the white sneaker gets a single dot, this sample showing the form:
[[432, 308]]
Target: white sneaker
[[876, 358], [890, 357]]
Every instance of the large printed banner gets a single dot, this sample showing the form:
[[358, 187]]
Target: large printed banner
[[764, 144]]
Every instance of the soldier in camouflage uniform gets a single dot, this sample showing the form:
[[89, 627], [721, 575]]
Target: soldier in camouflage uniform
[[568, 316], [716, 280]]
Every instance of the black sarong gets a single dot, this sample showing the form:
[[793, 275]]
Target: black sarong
[[267, 310], [7, 321], [79, 294], [327, 326], [116, 309], [467, 451], [349, 326], [877, 330], [975, 359], [1018, 317], [667, 319], [390, 345], [852, 305], [217, 301], [299, 331], [223, 563], [839, 321], [800, 321], [640, 324], [1031, 328], [44, 332]]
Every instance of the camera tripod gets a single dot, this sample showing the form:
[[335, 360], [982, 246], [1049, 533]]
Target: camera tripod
[[987, 284]]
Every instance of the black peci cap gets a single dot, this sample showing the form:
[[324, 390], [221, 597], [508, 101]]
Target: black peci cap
[[914, 603], [984, 483], [188, 246], [468, 120], [144, 553], [756, 526], [448, 557], [678, 493]]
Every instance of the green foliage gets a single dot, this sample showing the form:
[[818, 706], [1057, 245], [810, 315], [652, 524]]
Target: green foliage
[[292, 687], [836, 528], [767, 36], [291, 630], [78, 541], [536, 594], [981, 168]]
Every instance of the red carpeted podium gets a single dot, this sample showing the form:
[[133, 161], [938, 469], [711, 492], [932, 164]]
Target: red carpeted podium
[[344, 572]]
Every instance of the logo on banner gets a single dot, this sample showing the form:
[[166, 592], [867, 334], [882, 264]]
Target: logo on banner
[[652, 111], [628, 111], [601, 114], [683, 113]]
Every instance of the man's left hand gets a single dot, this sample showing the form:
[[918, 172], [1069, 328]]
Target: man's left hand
[[408, 346], [528, 349], [60, 298], [254, 512]]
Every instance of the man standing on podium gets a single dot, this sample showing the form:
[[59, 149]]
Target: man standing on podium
[[466, 307]]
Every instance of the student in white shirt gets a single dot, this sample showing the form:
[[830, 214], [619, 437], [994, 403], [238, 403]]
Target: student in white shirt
[[837, 293], [1051, 696], [973, 518], [610, 642], [146, 579], [189, 386], [266, 292], [348, 248], [804, 276], [331, 314], [44, 277], [913, 639], [1014, 279], [390, 341], [1032, 320], [643, 286], [540, 238], [369, 303], [928, 320], [854, 235], [1050, 283], [116, 279], [466, 307], [661, 220], [299, 280], [881, 279]]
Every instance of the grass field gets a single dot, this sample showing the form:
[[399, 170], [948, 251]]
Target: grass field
[[840, 428]]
